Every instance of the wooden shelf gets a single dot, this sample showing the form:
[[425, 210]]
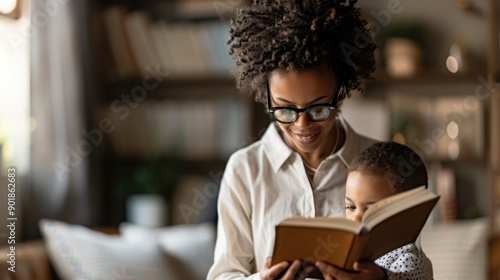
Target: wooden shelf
[[194, 10], [428, 76], [135, 160], [215, 80], [428, 82], [177, 88]]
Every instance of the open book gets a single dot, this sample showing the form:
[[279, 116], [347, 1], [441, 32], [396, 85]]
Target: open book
[[387, 225]]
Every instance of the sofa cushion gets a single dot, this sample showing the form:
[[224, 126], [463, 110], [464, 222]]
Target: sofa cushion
[[78, 252], [457, 249], [192, 244]]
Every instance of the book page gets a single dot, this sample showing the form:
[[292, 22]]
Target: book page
[[386, 202], [324, 222], [399, 207]]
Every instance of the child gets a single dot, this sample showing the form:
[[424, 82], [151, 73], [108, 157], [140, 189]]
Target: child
[[381, 170]]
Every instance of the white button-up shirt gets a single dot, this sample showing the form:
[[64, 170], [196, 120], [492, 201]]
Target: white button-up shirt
[[265, 183]]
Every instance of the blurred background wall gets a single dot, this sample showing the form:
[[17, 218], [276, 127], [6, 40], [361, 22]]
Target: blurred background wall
[[103, 100]]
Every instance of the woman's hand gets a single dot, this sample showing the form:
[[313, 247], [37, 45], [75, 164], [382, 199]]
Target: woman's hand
[[363, 271], [296, 271]]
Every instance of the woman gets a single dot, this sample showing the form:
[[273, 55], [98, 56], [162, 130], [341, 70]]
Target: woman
[[300, 59]]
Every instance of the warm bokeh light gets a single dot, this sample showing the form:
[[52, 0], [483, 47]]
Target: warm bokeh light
[[452, 64], [398, 137], [452, 130], [33, 124], [453, 150], [14, 96], [7, 6]]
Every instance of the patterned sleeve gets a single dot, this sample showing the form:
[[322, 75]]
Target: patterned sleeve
[[407, 262]]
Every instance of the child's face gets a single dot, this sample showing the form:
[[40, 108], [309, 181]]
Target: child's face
[[362, 190]]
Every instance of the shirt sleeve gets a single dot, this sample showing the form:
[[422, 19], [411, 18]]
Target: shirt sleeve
[[234, 250], [407, 262]]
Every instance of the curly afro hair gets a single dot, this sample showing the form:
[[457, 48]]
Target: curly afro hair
[[399, 164], [300, 35]]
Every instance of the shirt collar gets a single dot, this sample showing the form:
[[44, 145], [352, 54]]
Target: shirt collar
[[279, 151], [275, 146]]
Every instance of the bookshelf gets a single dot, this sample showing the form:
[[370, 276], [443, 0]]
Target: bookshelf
[[476, 177], [164, 88]]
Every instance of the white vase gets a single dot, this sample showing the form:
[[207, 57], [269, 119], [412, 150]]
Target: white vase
[[147, 210]]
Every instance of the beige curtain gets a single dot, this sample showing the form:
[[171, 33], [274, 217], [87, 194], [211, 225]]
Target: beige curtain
[[60, 154]]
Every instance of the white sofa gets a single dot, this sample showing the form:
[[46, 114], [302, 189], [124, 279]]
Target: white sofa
[[182, 252]]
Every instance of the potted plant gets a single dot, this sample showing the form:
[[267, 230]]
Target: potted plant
[[147, 188]]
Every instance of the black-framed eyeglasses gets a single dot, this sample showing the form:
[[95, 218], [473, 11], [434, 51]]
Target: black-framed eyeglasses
[[315, 113]]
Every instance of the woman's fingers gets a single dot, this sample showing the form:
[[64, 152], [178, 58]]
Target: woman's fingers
[[305, 271], [297, 271], [269, 272], [331, 272], [363, 270]]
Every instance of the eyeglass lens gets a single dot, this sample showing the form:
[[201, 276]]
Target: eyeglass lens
[[316, 113]]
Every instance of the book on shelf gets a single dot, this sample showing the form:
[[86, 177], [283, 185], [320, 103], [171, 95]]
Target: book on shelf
[[196, 129], [198, 10], [161, 45], [446, 187], [138, 30], [387, 225], [233, 129], [182, 49], [218, 34], [119, 45]]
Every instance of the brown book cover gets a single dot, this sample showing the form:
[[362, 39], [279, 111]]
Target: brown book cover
[[387, 225]]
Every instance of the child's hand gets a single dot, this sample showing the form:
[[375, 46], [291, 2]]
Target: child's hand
[[363, 271], [269, 272]]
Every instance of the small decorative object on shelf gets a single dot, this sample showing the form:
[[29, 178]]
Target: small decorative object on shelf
[[404, 49], [403, 57]]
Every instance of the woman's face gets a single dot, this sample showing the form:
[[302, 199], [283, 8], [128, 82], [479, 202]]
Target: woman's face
[[300, 90]]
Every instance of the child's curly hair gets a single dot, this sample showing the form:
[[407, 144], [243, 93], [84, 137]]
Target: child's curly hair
[[300, 35], [399, 164]]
